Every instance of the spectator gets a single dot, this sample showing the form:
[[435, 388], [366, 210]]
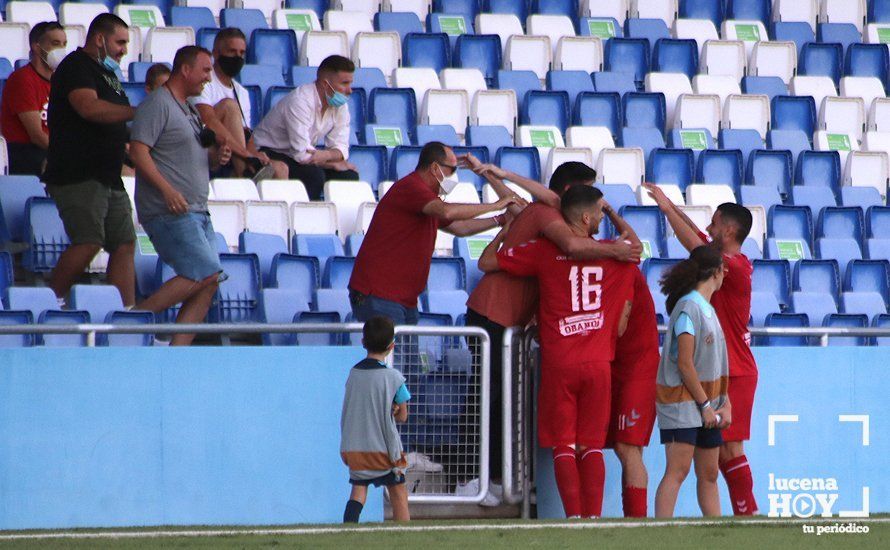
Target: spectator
[[26, 98], [169, 147], [291, 130], [87, 118], [156, 76], [224, 105], [393, 263]]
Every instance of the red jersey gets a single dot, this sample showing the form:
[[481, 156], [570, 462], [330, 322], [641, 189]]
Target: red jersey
[[25, 91], [580, 301], [501, 297], [733, 305], [637, 351], [394, 260]]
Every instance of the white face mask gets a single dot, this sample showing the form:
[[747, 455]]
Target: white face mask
[[54, 57], [448, 183]]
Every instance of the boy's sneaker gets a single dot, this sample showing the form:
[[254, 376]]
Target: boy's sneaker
[[419, 462], [471, 488], [264, 173]]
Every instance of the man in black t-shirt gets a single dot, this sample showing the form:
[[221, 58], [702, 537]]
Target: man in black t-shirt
[[87, 118]]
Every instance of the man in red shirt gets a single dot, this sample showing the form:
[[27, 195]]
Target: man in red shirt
[[728, 230], [583, 308], [393, 263], [26, 98]]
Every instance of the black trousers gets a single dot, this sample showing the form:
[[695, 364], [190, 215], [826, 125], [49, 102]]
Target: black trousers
[[312, 176], [25, 159], [496, 416]]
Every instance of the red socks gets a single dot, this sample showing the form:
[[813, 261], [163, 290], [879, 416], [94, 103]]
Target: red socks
[[565, 466], [593, 478], [633, 499], [741, 485]]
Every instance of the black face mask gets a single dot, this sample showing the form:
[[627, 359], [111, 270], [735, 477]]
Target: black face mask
[[230, 65]]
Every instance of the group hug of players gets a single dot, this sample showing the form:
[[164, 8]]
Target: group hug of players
[[605, 378]]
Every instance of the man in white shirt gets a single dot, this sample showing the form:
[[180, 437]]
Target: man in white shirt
[[312, 112], [224, 105]]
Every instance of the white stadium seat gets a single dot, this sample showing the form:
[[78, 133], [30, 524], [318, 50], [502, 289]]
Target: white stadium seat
[[76, 36], [234, 189], [749, 32], [348, 197], [368, 7], [711, 194], [76, 13], [879, 115], [552, 26], [469, 80], [843, 11], [350, 22], [700, 216], [30, 12], [671, 190], [868, 169], [134, 50], [724, 58], [300, 21], [419, 79], [313, 218], [606, 8], [141, 16], [844, 115], [289, 191], [699, 111], [774, 59], [270, 217], [561, 155], [419, 7], [317, 45], [758, 224], [723, 86], [379, 50], [747, 112], [672, 85], [162, 43], [365, 215], [626, 166], [383, 187], [819, 87], [666, 10], [494, 108], [215, 6], [501, 24], [866, 87], [594, 138], [228, 220], [528, 53], [806, 11], [876, 142], [542, 137], [267, 7], [14, 41], [463, 193], [489, 196], [450, 107], [579, 53], [872, 34], [843, 143], [700, 30]]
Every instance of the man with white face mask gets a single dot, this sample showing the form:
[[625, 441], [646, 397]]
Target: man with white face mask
[[393, 263], [26, 98]]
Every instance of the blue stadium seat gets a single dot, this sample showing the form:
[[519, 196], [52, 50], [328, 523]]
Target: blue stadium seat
[[132, 317], [571, 82], [764, 195], [794, 141], [367, 78], [519, 8], [34, 300], [759, 10], [868, 60], [745, 140], [703, 9], [16, 318], [648, 139], [437, 132], [768, 168], [643, 110], [440, 404], [844, 34], [785, 249], [237, 300], [863, 197], [815, 305], [248, 20], [318, 338], [843, 250], [675, 249], [450, 302], [569, 8], [467, 8], [786, 320], [273, 95], [98, 300], [255, 93], [842, 222], [878, 221], [648, 222], [393, 107], [206, 36], [320, 246], [264, 76], [820, 168], [614, 81], [318, 6], [618, 195], [794, 113], [447, 274], [6, 272], [870, 304], [400, 22], [273, 47], [770, 86], [196, 18], [546, 109], [675, 139], [676, 56], [466, 175], [337, 271], [66, 317], [265, 247], [602, 27], [403, 161], [752, 250], [721, 167], [879, 11], [492, 137], [877, 249], [434, 25], [297, 273], [520, 160], [480, 51], [280, 306], [843, 320], [333, 299], [135, 92], [791, 223], [628, 55], [371, 161], [654, 269], [520, 82], [138, 69], [599, 109], [44, 233], [671, 166], [818, 276], [799, 32], [773, 276], [470, 248], [813, 197], [358, 108], [763, 304], [435, 346], [868, 276], [353, 243], [651, 30], [426, 50], [14, 193], [821, 60], [300, 75], [6, 68], [881, 321]]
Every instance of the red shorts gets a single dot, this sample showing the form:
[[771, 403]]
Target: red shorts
[[573, 404], [633, 412], [741, 398]]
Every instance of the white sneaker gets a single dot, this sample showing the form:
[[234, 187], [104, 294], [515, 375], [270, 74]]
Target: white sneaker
[[419, 462], [471, 488], [160, 342], [468, 489], [496, 489]]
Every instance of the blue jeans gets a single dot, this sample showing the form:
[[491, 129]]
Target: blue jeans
[[365, 306]]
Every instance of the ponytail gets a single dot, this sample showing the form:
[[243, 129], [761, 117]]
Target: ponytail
[[682, 279]]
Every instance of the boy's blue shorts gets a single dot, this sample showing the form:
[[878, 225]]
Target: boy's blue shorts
[[387, 480]]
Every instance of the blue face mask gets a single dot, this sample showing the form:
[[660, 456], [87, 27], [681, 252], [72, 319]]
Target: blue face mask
[[336, 99], [111, 64]]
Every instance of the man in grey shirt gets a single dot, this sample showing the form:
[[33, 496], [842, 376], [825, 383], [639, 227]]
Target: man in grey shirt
[[172, 152]]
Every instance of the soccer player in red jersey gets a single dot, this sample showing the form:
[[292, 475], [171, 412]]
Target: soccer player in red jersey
[[728, 229], [583, 308], [633, 396]]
